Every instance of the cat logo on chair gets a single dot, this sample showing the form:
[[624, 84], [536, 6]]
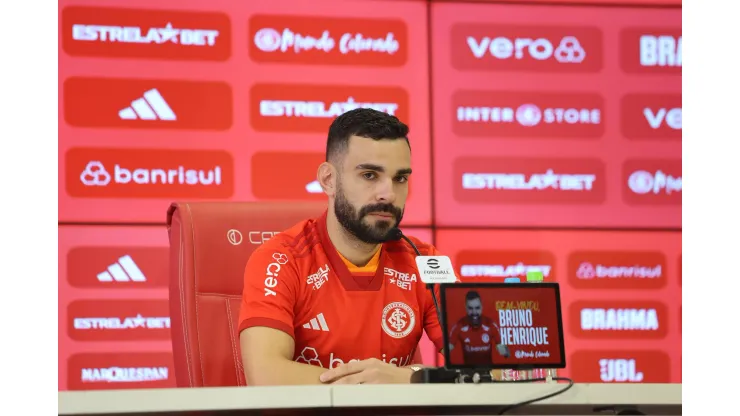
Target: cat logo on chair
[[260, 237]]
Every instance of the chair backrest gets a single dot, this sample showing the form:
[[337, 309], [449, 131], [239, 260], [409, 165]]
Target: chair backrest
[[210, 243]]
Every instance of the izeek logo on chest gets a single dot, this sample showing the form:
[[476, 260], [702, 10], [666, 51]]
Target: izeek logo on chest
[[435, 269]]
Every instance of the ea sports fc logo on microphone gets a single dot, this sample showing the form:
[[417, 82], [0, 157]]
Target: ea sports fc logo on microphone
[[398, 320]]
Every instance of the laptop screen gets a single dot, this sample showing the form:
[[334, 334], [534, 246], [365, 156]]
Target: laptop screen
[[498, 325]]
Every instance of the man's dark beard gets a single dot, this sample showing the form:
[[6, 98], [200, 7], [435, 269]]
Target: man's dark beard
[[351, 220], [475, 320]]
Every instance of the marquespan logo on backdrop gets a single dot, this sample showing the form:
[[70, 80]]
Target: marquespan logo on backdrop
[[618, 319], [303, 108], [498, 265], [526, 114], [118, 267], [651, 50], [626, 366], [148, 173], [145, 33], [118, 320], [526, 48], [328, 40], [652, 116], [617, 269], [481, 180], [124, 370], [147, 104], [652, 182]]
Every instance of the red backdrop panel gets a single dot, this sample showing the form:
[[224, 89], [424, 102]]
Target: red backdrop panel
[[620, 293], [228, 80], [556, 116]]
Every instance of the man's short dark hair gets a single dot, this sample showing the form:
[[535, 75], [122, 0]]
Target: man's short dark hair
[[471, 296], [363, 122]]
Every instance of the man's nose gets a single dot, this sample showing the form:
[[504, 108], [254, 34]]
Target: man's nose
[[385, 191]]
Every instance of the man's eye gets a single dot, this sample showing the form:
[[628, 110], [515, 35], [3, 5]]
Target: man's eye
[[402, 179], [368, 175]]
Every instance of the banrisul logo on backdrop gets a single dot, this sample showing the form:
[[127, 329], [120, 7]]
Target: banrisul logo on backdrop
[[148, 173]]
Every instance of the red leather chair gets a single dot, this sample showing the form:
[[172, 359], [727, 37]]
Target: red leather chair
[[210, 243]]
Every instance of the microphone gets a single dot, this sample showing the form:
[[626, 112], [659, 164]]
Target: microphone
[[432, 269]]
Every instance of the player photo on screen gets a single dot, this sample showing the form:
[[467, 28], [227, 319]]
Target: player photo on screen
[[503, 326]]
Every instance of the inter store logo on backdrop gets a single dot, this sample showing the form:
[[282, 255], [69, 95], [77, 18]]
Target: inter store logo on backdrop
[[497, 265], [526, 48], [617, 270], [527, 114], [517, 180], [130, 370], [118, 320], [148, 173], [652, 50], [311, 108], [618, 319], [652, 116], [145, 33], [118, 267], [652, 182], [328, 40], [613, 366], [147, 103]]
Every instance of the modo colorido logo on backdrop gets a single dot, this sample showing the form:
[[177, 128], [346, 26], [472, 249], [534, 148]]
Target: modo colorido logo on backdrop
[[328, 40]]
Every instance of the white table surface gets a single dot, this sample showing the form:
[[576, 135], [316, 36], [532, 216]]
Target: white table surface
[[302, 397]]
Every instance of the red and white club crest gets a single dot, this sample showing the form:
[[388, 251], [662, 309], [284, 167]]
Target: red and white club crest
[[398, 319]]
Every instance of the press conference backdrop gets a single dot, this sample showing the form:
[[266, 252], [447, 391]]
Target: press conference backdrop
[[544, 137]]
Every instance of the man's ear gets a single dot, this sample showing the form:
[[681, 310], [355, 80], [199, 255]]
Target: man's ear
[[327, 177]]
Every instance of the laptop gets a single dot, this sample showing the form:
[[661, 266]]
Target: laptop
[[502, 325]]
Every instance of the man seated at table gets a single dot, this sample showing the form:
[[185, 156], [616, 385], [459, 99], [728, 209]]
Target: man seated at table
[[332, 299]]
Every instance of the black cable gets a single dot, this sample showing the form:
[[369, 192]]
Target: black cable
[[524, 403]]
